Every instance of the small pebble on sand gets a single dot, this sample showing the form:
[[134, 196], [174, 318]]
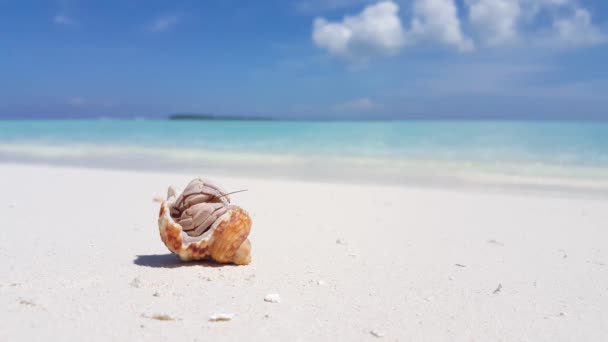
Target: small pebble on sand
[[136, 283], [26, 302], [272, 298], [376, 333]]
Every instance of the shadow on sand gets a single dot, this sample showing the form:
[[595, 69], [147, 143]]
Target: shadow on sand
[[171, 261]]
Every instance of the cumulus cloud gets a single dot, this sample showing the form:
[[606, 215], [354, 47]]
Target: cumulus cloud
[[577, 29], [377, 30], [502, 21], [438, 20], [164, 23], [495, 20], [533, 7]]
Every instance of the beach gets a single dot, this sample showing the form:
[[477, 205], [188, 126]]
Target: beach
[[305, 170], [82, 258]]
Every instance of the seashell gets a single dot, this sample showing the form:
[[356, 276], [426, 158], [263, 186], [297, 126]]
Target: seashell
[[200, 223], [221, 317]]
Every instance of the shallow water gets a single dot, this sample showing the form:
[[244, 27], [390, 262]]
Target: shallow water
[[545, 154]]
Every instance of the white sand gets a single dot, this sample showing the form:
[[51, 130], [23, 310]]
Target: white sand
[[82, 260]]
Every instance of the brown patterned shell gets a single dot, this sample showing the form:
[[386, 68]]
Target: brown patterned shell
[[224, 240]]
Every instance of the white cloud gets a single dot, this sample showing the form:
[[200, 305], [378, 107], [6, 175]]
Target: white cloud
[[376, 30], [164, 23], [360, 104], [331, 36], [533, 7], [577, 29], [495, 20], [438, 20], [502, 21], [61, 19]]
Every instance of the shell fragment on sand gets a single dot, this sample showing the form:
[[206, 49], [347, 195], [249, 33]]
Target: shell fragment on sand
[[159, 317], [221, 317], [272, 298]]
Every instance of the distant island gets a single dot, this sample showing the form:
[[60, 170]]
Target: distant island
[[216, 117]]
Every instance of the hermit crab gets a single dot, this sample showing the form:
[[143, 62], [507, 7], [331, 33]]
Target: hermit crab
[[200, 223]]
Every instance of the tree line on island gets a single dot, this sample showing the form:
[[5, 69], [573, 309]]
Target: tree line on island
[[190, 116]]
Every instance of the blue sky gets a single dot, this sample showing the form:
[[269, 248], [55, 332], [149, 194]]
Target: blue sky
[[305, 58]]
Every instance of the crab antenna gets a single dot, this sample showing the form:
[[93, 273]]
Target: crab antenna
[[230, 193]]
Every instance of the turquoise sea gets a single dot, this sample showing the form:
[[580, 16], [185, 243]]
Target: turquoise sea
[[571, 155]]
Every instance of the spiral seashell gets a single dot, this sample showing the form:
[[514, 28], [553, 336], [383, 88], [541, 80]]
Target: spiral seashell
[[200, 223]]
